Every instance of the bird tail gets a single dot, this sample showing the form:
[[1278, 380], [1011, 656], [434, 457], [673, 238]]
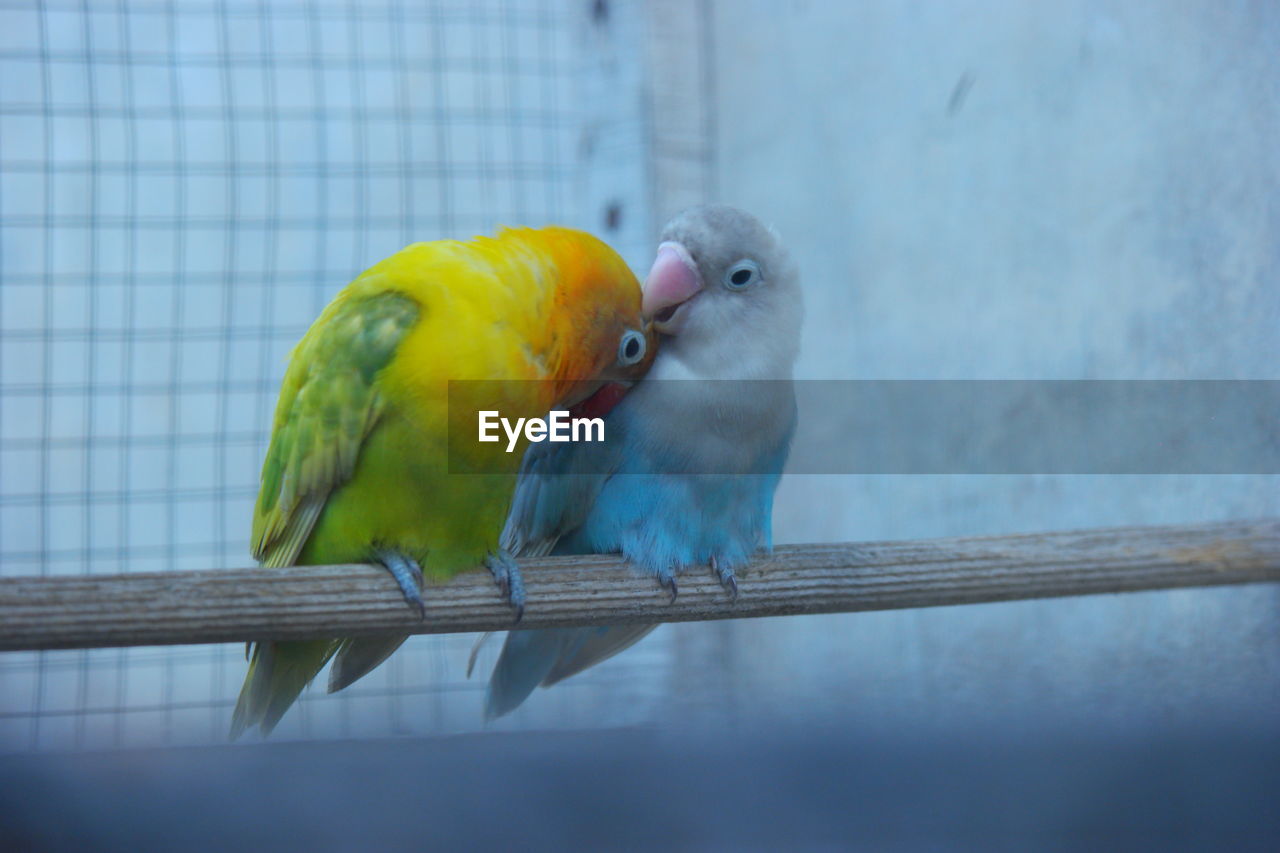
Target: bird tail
[[277, 674], [357, 657], [533, 658]]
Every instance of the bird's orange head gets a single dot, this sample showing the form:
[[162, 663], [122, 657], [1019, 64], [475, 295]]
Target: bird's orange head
[[597, 335]]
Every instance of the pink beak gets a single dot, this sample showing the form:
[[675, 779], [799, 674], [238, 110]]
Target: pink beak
[[673, 280]]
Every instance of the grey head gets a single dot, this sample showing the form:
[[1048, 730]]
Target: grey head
[[725, 295]]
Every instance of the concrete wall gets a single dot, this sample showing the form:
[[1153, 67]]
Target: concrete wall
[[1016, 190]]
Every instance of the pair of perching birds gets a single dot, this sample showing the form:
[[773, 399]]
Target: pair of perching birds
[[358, 469]]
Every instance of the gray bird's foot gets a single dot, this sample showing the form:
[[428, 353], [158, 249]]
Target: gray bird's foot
[[667, 580], [408, 575], [506, 573], [727, 580]]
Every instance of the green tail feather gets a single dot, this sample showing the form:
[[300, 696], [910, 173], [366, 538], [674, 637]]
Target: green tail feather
[[358, 657], [277, 674]]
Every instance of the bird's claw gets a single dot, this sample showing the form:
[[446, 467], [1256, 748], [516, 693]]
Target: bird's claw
[[506, 574], [726, 578], [668, 582], [408, 575]]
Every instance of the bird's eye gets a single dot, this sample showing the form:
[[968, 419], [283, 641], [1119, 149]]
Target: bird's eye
[[741, 275], [631, 348]]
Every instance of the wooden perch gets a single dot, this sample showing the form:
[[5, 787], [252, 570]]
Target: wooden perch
[[322, 601]]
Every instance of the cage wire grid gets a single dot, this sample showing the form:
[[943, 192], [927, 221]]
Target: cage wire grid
[[183, 186]]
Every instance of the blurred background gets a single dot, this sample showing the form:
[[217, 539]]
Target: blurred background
[[977, 190]]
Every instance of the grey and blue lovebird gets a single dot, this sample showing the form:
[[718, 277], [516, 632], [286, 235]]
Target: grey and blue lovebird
[[694, 451]]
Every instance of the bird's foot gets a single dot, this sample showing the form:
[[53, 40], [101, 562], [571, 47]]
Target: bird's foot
[[727, 580], [667, 580], [506, 573], [408, 575]]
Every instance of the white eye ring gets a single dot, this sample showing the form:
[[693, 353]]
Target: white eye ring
[[742, 275], [631, 348]]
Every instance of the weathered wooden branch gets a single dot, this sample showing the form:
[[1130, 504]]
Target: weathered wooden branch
[[320, 601]]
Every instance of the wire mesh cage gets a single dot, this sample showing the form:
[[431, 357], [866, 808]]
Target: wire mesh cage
[[183, 186]]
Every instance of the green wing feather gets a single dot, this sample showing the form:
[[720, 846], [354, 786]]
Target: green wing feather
[[329, 403]]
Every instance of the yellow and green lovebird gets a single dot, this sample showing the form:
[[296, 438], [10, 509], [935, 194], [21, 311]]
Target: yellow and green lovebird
[[359, 461]]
